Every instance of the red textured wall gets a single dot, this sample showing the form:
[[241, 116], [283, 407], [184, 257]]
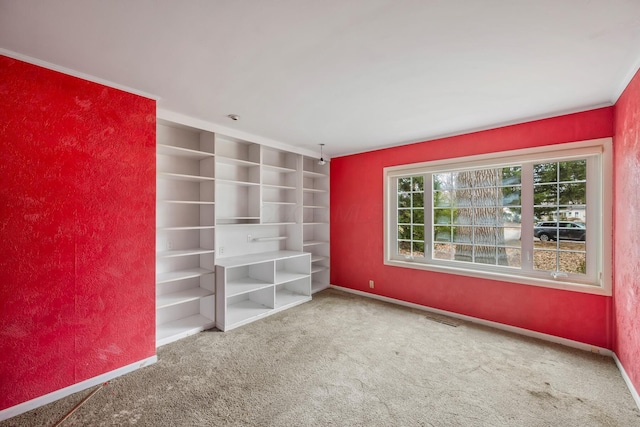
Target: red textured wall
[[357, 236], [77, 214], [627, 230]]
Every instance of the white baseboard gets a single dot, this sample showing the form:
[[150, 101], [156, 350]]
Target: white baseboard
[[63, 392], [521, 331], [627, 380], [496, 325]]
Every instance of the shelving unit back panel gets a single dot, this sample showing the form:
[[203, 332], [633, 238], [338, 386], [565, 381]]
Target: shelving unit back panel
[[237, 149], [279, 158], [262, 271], [235, 241], [175, 312], [238, 201], [178, 137], [225, 171]]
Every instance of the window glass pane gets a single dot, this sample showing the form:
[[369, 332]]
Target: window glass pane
[[485, 254], [462, 234], [486, 196], [573, 171], [573, 262], [404, 216], [442, 181], [418, 249], [404, 248], [442, 216], [417, 183], [442, 234], [443, 251], [545, 194], [417, 232], [404, 184], [573, 194], [545, 260], [404, 232], [418, 200], [462, 180], [511, 175], [545, 172], [511, 196], [418, 216], [442, 198], [404, 200]]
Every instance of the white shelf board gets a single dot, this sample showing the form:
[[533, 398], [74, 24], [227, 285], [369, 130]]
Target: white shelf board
[[313, 243], [315, 223], [318, 286], [173, 276], [278, 203], [245, 285], [278, 168], [278, 223], [279, 187], [318, 268], [196, 227], [314, 174], [188, 202], [183, 177], [316, 258], [243, 311], [315, 207], [184, 252], [285, 297], [287, 276], [242, 260], [172, 331], [314, 190], [187, 295], [171, 150], [235, 182], [236, 162]]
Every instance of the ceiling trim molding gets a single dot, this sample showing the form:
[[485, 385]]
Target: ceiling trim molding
[[184, 120], [626, 80], [485, 128], [75, 73]]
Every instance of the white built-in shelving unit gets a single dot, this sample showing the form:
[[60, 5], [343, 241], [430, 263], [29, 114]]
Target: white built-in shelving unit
[[222, 198], [185, 221], [315, 215], [250, 287]]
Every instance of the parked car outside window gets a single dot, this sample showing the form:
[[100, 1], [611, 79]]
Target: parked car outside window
[[560, 230]]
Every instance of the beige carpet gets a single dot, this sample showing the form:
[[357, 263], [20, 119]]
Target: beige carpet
[[344, 360]]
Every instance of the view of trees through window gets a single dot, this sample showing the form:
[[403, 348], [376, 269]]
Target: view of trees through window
[[477, 216]]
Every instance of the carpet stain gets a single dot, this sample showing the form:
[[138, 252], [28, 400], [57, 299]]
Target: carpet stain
[[543, 395]]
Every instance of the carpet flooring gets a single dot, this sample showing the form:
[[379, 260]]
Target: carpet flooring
[[346, 360]]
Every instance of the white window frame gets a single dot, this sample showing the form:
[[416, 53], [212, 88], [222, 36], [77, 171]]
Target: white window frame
[[599, 154]]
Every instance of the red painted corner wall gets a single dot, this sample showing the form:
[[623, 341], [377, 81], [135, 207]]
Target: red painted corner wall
[[626, 147], [77, 214], [357, 236]]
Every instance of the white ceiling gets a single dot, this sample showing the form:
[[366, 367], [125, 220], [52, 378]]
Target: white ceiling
[[356, 75]]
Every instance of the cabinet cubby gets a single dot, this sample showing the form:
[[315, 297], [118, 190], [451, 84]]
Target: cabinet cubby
[[252, 286]]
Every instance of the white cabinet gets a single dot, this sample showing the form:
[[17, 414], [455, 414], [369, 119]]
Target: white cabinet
[[185, 223], [250, 287], [315, 214]]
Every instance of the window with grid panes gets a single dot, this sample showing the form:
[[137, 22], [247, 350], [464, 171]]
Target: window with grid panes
[[536, 217]]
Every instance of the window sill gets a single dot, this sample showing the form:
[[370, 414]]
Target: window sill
[[504, 277]]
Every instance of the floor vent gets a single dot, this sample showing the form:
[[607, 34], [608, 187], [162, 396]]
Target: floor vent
[[444, 320]]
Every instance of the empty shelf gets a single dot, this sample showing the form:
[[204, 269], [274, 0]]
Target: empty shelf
[[181, 274], [172, 331], [184, 252], [287, 276], [181, 297], [285, 297], [244, 310], [245, 285], [183, 177], [171, 150]]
